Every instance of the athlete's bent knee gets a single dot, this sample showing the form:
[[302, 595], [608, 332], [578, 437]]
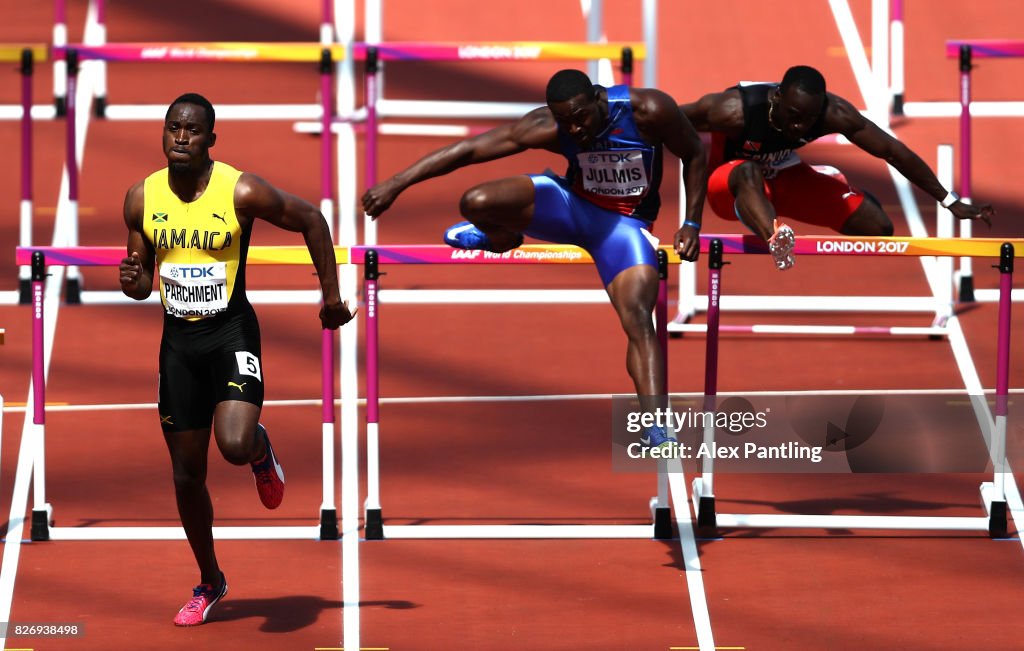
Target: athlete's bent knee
[[474, 202], [637, 322], [236, 452], [869, 220]]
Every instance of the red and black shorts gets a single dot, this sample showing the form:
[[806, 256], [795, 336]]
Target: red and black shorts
[[812, 194]]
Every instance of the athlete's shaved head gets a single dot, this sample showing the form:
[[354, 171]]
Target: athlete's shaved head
[[198, 100], [804, 78], [567, 84]]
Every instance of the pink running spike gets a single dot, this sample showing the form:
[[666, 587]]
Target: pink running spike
[[269, 475], [204, 597]]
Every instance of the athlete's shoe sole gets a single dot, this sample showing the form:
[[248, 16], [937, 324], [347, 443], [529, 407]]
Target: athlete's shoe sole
[[781, 245], [269, 475], [465, 235]]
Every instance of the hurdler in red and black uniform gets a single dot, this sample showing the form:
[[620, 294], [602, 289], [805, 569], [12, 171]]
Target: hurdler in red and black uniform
[[816, 194], [758, 177], [813, 194]]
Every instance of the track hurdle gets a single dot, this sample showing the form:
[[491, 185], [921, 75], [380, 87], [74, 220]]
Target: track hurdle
[[537, 51], [25, 207], [26, 55], [59, 39], [896, 25], [965, 52], [371, 257], [993, 494], [97, 30], [526, 51], [190, 52], [939, 306], [42, 512], [897, 83], [593, 15]]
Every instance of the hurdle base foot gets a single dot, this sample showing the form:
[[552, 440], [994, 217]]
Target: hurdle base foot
[[40, 526], [73, 292], [374, 525], [897, 105], [663, 523], [966, 293], [328, 524], [707, 522], [997, 523], [60, 105], [24, 291], [99, 107]]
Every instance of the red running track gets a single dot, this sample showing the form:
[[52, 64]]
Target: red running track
[[489, 462]]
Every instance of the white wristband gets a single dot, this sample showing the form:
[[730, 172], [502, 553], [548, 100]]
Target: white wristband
[[949, 199]]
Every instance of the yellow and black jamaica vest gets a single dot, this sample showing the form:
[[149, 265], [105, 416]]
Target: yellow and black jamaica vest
[[200, 246]]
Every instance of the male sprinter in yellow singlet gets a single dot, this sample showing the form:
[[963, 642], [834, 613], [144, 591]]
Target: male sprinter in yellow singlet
[[194, 218]]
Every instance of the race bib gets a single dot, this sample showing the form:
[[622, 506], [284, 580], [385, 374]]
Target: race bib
[[613, 173], [771, 165], [191, 290]]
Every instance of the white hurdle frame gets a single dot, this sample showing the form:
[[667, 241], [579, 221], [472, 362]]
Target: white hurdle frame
[[993, 494], [876, 90], [374, 35], [940, 305], [42, 511], [926, 109], [371, 257]]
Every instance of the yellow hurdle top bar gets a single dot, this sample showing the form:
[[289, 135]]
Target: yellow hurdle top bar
[[562, 254], [11, 52], [242, 51]]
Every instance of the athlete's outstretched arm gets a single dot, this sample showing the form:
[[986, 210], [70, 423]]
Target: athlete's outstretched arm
[[535, 130], [661, 116], [136, 269], [867, 135], [255, 198]]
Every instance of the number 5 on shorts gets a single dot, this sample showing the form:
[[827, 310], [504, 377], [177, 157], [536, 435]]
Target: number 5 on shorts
[[248, 364]]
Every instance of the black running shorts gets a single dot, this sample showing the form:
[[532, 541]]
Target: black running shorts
[[205, 362]]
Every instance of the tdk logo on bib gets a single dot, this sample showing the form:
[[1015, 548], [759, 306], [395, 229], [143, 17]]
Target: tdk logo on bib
[[191, 272], [614, 157]]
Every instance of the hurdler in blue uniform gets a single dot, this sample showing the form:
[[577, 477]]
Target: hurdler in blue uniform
[[606, 203]]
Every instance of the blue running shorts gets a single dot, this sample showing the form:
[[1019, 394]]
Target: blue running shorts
[[615, 241]]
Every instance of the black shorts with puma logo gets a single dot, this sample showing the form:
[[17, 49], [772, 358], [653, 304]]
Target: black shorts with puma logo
[[205, 362]]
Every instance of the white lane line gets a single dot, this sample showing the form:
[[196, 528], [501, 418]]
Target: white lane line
[[691, 558], [349, 449], [31, 433], [855, 51]]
